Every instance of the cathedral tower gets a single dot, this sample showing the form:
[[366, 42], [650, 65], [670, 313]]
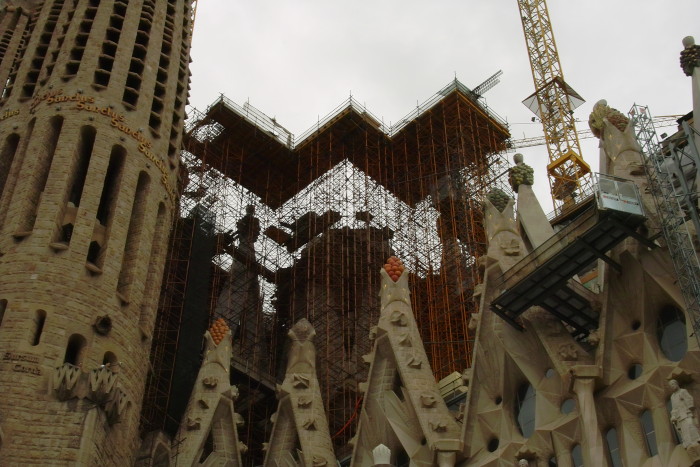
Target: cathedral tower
[[91, 115]]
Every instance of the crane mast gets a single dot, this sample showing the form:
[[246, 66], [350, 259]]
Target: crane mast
[[554, 102]]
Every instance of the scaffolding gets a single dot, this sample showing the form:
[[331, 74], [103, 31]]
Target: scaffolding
[[671, 167], [301, 227]]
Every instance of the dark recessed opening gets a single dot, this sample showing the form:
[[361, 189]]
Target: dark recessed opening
[[74, 349], [109, 359], [635, 371], [493, 445], [93, 252], [39, 320]]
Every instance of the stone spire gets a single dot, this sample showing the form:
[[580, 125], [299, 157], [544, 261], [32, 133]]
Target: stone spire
[[208, 428], [402, 405], [300, 434]]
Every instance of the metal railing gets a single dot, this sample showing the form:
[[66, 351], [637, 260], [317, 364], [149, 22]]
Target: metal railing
[[270, 126]]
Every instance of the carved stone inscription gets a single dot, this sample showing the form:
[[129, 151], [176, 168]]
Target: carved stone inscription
[[23, 363]]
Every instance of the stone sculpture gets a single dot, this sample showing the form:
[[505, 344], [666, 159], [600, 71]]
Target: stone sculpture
[[683, 414], [690, 56], [382, 456], [300, 435], [407, 415], [210, 411], [617, 140], [520, 173]]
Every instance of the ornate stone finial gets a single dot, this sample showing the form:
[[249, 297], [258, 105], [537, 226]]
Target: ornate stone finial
[[218, 330], [498, 198], [381, 455], [690, 55], [521, 173], [302, 354], [394, 267], [302, 330], [601, 111], [394, 279]]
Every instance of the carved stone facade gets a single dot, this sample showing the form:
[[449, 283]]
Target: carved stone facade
[[300, 431], [208, 431], [402, 408], [92, 100], [92, 97]]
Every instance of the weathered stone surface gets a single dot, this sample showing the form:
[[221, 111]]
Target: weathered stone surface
[[69, 120]]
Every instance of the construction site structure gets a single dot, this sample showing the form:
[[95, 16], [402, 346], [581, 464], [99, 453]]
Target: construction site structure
[[554, 102], [279, 236], [672, 166], [92, 103], [557, 376], [604, 376], [276, 228]]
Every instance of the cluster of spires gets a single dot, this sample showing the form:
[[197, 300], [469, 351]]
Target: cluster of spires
[[419, 419]]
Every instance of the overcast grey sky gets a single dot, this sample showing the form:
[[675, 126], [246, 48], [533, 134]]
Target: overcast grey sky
[[298, 60]]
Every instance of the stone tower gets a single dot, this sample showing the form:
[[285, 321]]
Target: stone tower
[[91, 115]]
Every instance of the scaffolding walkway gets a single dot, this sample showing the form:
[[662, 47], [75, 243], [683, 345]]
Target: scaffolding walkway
[[545, 276]]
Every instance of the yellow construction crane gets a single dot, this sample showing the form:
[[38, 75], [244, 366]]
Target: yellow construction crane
[[554, 102]]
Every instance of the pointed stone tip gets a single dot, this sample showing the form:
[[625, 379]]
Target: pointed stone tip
[[302, 330], [688, 41], [381, 455]]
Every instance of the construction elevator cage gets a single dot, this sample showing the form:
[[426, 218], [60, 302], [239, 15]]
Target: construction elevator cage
[[275, 228]]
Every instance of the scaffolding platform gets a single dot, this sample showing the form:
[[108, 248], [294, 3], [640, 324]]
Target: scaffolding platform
[[545, 276]]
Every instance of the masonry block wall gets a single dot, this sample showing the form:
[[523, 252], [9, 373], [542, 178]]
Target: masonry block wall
[[92, 97]]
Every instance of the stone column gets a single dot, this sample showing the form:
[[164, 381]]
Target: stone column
[[591, 440]]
